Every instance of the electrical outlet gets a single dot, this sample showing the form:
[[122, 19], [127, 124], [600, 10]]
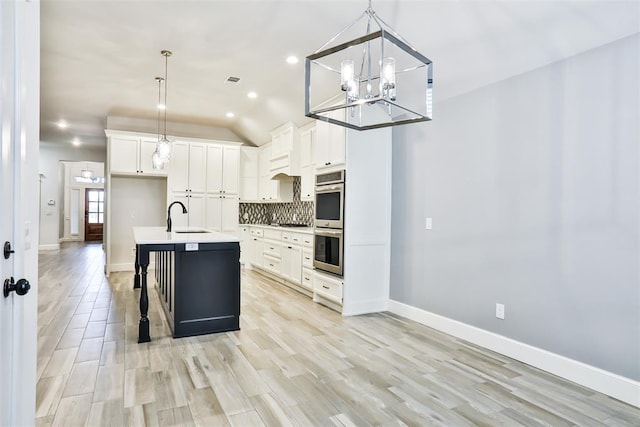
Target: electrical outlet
[[133, 251], [428, 223], [500, 311]]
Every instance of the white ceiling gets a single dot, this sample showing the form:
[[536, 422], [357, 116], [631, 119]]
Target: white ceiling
[[99, 58]]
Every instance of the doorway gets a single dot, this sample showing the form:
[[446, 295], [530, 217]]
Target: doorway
[[93, 214]]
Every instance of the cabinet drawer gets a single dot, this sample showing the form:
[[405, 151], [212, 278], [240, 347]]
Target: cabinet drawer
[[272, 234], [307, 240], [256, 232], [328, 289], [271, 264], [307, 279], [292, 238], [272, 249], [307, 257]]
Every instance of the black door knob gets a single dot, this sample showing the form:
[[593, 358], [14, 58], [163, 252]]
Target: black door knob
[[21, 287]]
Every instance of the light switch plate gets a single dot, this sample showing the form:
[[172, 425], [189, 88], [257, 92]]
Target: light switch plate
[[500, 311], [428, 224]]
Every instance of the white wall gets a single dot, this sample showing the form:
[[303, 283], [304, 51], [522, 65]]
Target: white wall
[[53, 189]]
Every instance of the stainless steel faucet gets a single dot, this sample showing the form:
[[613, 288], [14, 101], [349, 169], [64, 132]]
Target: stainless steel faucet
[[184, 211]]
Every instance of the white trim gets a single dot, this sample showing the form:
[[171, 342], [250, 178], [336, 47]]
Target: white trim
[[364, 307], [619, 387], [53, 247]]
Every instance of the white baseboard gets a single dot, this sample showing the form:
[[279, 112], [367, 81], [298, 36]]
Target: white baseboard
[[365, 307], [616, 386], [53, 247]]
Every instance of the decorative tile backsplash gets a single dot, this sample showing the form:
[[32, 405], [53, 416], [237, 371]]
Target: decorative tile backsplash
[[278, 213]]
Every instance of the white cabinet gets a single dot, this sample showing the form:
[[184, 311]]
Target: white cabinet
[[272, 190], [256, 247], [245, 245], [307, 169], [131, 155], [195, 204], [188, 167], [285, 150], [291, 267], [249, 173], [222, 213], [329, 150], [327, 287], [222, 169]]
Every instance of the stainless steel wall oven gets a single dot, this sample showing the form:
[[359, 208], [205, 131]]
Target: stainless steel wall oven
[[328, 222]]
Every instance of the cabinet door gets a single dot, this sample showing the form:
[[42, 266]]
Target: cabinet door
[[306, 147], [321, 153], [196, 210], [231, 170], [179, 173], [292, 263], [306, 183], [264, 185], [337, 145], [147, 148], [197, 168], [214, 213], [229, 214], [123, 156], [214, 168]]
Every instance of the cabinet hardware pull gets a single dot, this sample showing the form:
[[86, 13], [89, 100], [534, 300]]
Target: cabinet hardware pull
[[326, 287]]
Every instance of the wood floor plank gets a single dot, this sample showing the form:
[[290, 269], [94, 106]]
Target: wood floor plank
[[292, 363]]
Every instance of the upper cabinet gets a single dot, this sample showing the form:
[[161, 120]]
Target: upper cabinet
[[307, 169], [188, 167], [285, 150], [329, 150], [249, 173], [272, 190], [131, 154], [223, 174]]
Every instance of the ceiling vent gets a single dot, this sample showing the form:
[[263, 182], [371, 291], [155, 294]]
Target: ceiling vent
[[232, 79]]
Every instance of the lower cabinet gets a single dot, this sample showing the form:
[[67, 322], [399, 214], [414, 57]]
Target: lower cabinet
[[284, 254], [327, 287]]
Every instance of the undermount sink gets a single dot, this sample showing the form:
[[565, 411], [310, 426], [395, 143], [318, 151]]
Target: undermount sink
[[189, 231]]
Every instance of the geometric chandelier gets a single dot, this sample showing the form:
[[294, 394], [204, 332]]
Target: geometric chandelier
[[162, 153], [374, 80]]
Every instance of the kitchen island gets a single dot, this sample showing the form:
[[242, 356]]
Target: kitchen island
[[198, 279]]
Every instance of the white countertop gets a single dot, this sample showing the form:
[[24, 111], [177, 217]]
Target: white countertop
[[159, 236], [305, 230]]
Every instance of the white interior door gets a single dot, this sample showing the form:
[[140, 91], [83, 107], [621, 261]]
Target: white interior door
[[19, 140]]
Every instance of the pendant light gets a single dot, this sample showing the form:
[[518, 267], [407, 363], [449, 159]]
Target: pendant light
[[162, 154], [375, 80]]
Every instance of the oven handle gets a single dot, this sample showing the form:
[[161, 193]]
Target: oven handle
[[329, 188], [327, 233]]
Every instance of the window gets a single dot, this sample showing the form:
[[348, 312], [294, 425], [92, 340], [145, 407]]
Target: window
[[95, 212]]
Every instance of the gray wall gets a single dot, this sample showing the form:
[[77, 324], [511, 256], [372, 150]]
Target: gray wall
[[533, 186]]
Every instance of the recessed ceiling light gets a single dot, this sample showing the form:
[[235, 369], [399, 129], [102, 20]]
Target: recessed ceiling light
[[291, 59], [62, 124], [76, 142], [252, 95], [230, 114]]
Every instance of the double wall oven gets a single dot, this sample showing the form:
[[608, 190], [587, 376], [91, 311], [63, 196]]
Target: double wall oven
[[329, 222]]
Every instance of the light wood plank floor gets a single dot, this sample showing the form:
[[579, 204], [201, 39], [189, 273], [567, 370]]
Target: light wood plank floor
[[292, 363]]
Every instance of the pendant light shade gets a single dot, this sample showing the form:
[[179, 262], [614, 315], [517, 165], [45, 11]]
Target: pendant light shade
[[162, 155], [374, 80]]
